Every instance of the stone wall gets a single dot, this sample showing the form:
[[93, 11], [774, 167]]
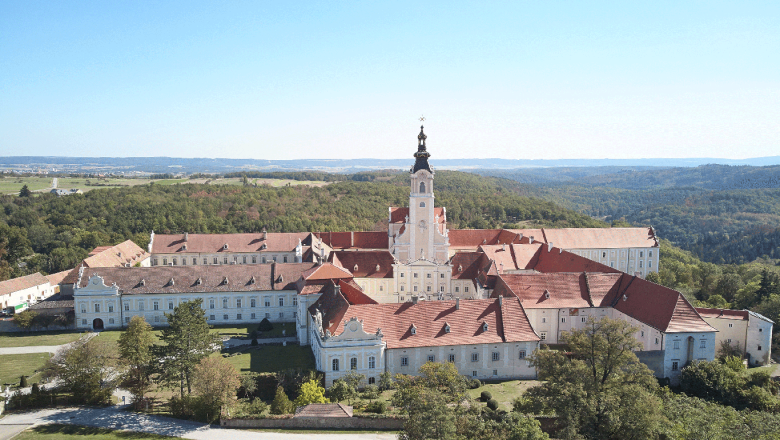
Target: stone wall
[[390, 424], [654, 359]]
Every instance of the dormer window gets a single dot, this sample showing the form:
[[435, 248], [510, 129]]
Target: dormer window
[[413, 330], [446, 328], [198, 281], [354, 269], [484, 326], [142, 282], [225, 280], [377, 268], [170, 282], [625, 298], [252, 280], [263, 247], [546, 294], [280, 279], [184, 247], [460, 268], [225, 246]]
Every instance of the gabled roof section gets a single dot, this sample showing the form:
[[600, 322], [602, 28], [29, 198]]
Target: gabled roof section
[[21, 283], [554, 259], [286, 275], [660, 307], [473, 238], [370, 264], [738, 315], [324, 410], [509, 257], [122, 254], [429, 318], [353, 294], [466, 265], [326, 271], [246, 242], [545, 291], [355, 240], [601, 238]]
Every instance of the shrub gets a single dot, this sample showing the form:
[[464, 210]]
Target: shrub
[[254, 341], [182, 408], [23, 382], [370, 392], [265, 325], [474, 383], [281, 403], [485, 396], [492, 404], [377, 407], [35, 388]]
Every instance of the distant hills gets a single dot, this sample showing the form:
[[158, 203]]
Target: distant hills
[[217, 165]]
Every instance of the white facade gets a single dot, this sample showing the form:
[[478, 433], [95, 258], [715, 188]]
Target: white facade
[[634, 261], [99, 306], [20, 293]]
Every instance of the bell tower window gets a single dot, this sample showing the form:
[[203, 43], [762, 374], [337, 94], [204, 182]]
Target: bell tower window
[[422, 187], [422, 204]]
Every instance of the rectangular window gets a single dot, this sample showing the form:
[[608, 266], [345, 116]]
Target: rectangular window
[[216, 261], [474, 357], [544, 320], [97, 308], [521, 354], [205, 260], [127, 319], [156, 318], [428, 288], [402, 274], [165, 261], [431, 358], [402, 288], [238, 302], [268, 315], [703, 343], [281, 315], [496, 356], [238, 316], [224, 260], [466, 289], [404, 361], [83, 322], [170, 306], [285, 258], [441, 276], [225, 317], [759, 348], [728, 341], [156, 305], [154, 262], [543, 335], [451, 358], [428, 275], [656, 341], [254, 259], [194, 261], [371, 362], [295, 299], [295, 314], [650, 254], [140, 306], [281, 301], [563, 320], [268, 302], [183, 261], [675, 365], [244, 259], [457, 289], [110, 309], [224, 303], [676, 345], [495, 372], [127, 307], [212, 317], [582, 319], [252, 302], [474, 373], [415, 275], [643, 333], [254, 316], [415, 288], [731, 325], [211, 303]]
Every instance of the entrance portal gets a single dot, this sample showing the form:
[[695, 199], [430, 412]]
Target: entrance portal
[[97, 324]]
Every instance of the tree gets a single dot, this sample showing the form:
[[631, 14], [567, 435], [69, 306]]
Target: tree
[[281, 403], [26, 319], [429, 417], [215, 381], [340, 390], [86, 368], [187, 340], [135, 351], [311, 392], [600, 390], [386, 381], [442, 378], [25, 191]]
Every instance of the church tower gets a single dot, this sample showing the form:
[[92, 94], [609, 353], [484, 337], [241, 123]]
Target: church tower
[[422, 223]]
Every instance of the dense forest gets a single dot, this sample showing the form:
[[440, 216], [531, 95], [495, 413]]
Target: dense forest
[[50, 233], [722, 214]]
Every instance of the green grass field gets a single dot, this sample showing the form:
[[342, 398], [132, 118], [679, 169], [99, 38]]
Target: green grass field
[[270, 359], [66, 432], [37, 339], [12, 366], [504, 392]]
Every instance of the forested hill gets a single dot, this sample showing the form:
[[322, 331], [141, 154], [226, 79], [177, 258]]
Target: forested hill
[[723, 214], [54, 233]]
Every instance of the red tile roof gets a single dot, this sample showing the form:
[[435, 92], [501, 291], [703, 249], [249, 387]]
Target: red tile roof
[[208, 243], [473, 237], [364, 264], [558, 260], [430, 319], [545, 291], [355, 240], [513, 256], [125, 253], [227, 278], [57, 278], [600, 238], [739, 315], [353, 294], [21, 283], [326, 271], [466, 265]]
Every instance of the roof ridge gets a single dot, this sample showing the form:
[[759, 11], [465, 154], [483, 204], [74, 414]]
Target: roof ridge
[[544, 235], [587, 288]]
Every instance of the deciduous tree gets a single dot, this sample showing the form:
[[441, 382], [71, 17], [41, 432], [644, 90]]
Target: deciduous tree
[[87, 368], [135, 350], [215, 381], [311, 392]]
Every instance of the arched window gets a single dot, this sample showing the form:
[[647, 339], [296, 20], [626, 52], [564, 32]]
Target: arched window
[[422, 187], [335, 365], [353, 364], [422, 204]]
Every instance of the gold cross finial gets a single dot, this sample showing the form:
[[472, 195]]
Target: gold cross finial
[[422, 118]]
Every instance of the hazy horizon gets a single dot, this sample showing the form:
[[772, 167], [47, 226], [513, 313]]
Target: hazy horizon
[[349, 80]]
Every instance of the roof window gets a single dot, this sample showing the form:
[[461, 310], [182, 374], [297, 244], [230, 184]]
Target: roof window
[[484, 326], [625, 297], [225, 246], [446, 328], [377, 268], [413, 330], [225, 280], [170, 282], [142, 282], [546, 293], [354, 269], [198, 281], [252, 280]]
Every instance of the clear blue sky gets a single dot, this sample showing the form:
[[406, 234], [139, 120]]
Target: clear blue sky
[[296, 79]]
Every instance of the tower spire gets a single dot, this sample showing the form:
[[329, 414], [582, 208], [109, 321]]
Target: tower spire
[[422, 155]]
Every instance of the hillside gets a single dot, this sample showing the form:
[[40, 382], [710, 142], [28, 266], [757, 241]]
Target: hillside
[[51, 233], [723, 214]]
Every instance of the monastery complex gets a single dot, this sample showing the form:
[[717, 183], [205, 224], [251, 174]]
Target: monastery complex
[[372, 302]]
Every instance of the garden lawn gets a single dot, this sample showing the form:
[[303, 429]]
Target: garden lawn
[[72, 432], [504, 392], [273, 358], [37, 338], [12, 366]]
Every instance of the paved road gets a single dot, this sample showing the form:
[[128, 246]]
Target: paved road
[[32, 349], [115, 418]]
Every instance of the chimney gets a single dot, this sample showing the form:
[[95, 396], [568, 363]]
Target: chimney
[[549, 246], [414, 299], [186, 236], [500, 300], [503, 247], [265, 234], [457, 303], [273, 274], [337, 289]]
